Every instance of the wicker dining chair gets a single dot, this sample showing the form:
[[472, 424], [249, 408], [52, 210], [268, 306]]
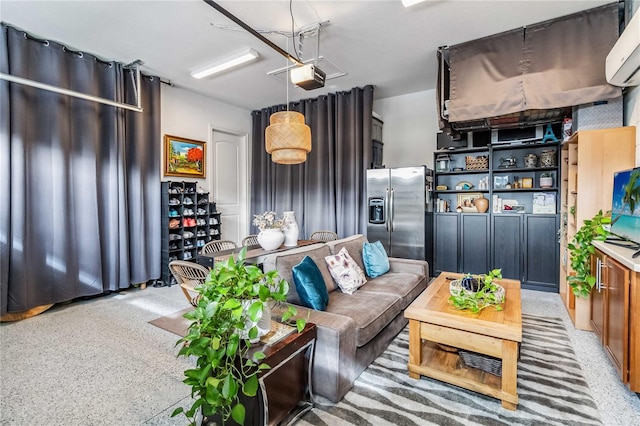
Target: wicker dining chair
[[189, 275], [323, 236], [217, 245], [250, 240]]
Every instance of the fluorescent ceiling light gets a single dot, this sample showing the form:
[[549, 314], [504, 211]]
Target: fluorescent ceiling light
[[408, 3], [221, 65]]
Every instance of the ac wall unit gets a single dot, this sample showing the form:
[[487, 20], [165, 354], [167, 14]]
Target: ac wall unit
[[622, 66]]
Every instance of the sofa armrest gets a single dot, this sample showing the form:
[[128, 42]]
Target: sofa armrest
[[334, 366], [419, 267]]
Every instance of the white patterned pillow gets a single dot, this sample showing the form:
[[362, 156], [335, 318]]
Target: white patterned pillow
[[345, 271]]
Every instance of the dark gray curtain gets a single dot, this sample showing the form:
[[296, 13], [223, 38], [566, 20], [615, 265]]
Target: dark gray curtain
[[553, 64], [327, 191], [80, 204]]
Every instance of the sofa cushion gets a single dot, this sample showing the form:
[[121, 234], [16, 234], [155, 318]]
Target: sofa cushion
[[310, 285], [353, 244], [284, 262], [345, 271], [370, 314], [376, 261], [402, 284]]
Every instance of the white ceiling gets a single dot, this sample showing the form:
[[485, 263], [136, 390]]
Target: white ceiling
[[374, 42]]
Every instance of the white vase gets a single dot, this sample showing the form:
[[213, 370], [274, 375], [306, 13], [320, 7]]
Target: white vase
[[270, 239], [263, 324], [291, 230]]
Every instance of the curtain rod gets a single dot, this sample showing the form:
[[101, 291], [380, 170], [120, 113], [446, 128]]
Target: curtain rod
[[75, 94], [253, 32]]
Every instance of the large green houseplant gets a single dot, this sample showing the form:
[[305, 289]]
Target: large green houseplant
[[218, 340], [580, 251]]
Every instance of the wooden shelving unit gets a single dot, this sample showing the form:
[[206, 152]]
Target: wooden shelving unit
[[588, 162]]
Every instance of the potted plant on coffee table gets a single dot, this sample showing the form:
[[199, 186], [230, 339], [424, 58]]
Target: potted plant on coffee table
[[219, 337], [477, 292]]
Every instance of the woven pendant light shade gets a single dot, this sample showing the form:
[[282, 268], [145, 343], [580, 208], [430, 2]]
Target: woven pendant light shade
[[288, 138]]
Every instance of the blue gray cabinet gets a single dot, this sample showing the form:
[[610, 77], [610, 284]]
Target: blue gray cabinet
[[461, 243]]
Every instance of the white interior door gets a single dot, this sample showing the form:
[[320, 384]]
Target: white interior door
[[230, 183]]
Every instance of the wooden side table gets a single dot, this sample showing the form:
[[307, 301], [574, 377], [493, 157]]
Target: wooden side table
[[285, 392]]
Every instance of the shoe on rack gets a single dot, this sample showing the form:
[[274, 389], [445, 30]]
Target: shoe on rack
[[188, 234], [172, 258], [173, 247], [173, 237], [174, 202], [174, 223], [187, 201], [173, 213], [202, 212], [202, 201]]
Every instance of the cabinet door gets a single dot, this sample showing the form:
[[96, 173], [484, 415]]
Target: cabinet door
[[541, 252], [598, 295], [474, 243], [507, 245], [446, 242], [616, 336]]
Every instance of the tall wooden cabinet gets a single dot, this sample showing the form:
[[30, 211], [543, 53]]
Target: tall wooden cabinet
[[615, 310], [588, 161]]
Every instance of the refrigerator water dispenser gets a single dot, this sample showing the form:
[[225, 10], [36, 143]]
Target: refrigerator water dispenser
[[376, 210]]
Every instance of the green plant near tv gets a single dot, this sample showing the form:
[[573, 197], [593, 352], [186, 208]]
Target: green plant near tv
[[218, 341], [580, 250]]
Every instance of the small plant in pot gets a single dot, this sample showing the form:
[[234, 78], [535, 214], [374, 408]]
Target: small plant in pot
[[477, 292], [546, 180], [218, 338]]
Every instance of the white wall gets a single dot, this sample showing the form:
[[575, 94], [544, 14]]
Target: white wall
[[190, 115], [410, 126], [632, 116]]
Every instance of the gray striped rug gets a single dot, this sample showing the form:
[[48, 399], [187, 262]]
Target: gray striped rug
[[551, 389]]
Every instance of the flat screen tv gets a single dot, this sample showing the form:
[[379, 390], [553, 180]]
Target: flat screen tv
[[625, 210]]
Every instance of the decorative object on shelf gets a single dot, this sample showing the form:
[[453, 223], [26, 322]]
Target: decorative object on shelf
[[483, 183], [549, 136], [464, 186], [530, 160], [442, 162], [527, 182], [442, 188], [508, 162], [290, 228], [467, 201], [500, 182], [567, 124], [580, 251], [184, 157], [477, 163], [482, 204], [459, 209], [218, 341], [476, 292], [546, 180], [287, 138], [548, 158], [544, 203]]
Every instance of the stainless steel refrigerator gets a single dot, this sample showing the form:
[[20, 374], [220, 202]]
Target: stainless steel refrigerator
[[399, 208]]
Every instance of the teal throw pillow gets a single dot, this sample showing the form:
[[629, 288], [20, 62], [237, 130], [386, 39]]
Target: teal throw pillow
[[310, 285], [376, 261]]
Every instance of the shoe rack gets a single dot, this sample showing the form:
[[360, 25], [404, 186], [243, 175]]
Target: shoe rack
[[189, 221]]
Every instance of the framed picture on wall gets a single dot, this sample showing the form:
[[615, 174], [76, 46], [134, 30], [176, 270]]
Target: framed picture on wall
[[184, 157]]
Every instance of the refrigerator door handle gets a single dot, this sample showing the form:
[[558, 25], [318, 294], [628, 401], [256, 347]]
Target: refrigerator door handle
[[391, 210], [386, 208]]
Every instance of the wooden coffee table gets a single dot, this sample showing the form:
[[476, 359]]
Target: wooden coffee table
[[433, 320]]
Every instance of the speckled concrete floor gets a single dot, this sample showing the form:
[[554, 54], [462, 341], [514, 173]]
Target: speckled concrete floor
[[99, 362]]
